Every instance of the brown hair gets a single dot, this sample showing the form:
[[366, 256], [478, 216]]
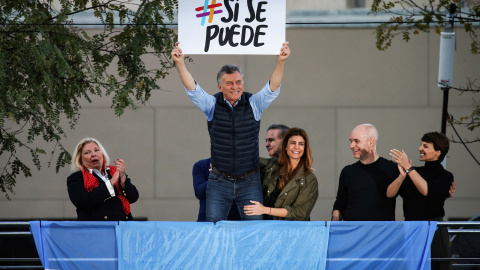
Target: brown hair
[[284, 171]]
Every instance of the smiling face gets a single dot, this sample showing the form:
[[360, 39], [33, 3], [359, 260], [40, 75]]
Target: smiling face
[[361, 145], [92, 156], [295, 147], [428, 152], [231, 86]]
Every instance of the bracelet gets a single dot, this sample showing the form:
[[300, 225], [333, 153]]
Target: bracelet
[[270, 211]]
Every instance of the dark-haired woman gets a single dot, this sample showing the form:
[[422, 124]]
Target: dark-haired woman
[[425, 189], [290, 188]]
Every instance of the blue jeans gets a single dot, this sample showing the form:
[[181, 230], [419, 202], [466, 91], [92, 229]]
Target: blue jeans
[[222, 192]]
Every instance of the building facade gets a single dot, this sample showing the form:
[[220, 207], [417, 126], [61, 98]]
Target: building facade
[[334, 80]]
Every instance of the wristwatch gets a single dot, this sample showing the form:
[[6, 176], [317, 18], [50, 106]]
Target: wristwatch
[[409, 170]]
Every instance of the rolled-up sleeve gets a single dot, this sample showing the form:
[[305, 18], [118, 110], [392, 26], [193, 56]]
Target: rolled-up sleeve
[[261, 100], [204, 101]]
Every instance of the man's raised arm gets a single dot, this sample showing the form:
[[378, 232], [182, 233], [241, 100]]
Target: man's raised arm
[[277, 75], [185, 76]]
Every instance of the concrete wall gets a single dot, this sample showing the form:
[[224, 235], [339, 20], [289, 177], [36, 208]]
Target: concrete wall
[[326, 4], [315, 4], [334, 80]]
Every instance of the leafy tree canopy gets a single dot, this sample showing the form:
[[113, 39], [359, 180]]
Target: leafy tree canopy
[[410, 16], [416, 16], [48, 63]]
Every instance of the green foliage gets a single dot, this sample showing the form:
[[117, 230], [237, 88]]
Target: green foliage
[[48, 64], [421, 16], [472, 121]]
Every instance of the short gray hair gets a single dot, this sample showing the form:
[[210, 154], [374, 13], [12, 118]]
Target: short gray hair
[[283, 129], [228, 69], [370, 131]]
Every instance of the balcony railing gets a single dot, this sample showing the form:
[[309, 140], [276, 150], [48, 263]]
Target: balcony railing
[[18, 249]]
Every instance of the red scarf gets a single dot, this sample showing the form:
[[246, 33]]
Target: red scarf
[[91, 182]]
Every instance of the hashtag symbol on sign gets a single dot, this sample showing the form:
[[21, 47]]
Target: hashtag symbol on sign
[[206, 13]]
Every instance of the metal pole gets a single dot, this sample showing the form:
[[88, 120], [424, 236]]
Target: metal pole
[[445, 110]]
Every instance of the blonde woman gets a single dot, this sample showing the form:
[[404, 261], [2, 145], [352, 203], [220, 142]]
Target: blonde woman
[[98, 191]]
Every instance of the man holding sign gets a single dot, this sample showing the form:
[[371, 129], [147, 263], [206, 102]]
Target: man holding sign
[[233, 124]]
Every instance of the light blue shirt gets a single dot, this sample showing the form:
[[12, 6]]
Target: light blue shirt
[[206, 102]]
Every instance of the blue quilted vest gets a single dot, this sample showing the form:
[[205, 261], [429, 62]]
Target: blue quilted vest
[[234, 136]]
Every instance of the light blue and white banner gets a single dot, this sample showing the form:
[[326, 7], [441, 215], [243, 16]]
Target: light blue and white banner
[[234, 245]]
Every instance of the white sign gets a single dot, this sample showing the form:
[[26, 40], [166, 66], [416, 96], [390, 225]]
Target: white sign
[[231, 26]]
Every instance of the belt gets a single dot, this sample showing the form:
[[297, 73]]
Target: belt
[[235, 176]]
